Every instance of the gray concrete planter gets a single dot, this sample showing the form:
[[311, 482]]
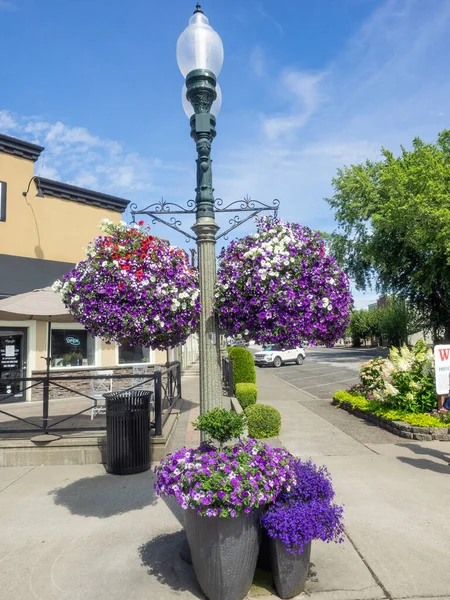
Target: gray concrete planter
[[224, 553], [289, 571]]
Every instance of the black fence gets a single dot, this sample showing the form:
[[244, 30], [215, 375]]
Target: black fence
[[164, 383], [227, 376]]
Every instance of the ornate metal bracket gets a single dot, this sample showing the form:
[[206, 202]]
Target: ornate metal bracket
[[165, 208], [247, 204]]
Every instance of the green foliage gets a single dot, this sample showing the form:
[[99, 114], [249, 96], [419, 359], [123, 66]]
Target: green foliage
[[246, 393], [390, 323], [371, 406], [243, 365], [394, 226], [404, 381], [221, 425], [263, 421]]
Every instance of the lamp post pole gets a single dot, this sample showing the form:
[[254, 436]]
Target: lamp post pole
[[201, 94], [200, 58]]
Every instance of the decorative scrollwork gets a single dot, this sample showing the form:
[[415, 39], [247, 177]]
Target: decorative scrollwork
[[247, 204], [235, 220], [164, 207]]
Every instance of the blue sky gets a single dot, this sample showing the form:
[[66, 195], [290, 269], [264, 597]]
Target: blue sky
[[308, 86]]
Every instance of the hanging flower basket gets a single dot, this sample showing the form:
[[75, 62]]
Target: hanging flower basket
[[280, 286], [134, 287]]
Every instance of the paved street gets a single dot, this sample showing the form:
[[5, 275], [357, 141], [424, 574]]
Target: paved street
[[326, 370]]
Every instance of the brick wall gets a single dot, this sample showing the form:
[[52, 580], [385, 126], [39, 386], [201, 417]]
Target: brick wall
[[81, 386]]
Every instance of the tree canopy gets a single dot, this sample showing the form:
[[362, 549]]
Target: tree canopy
[[394, 226]]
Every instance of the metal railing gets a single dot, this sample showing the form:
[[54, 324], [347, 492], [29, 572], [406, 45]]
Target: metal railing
[[227, 375], [165, 382]]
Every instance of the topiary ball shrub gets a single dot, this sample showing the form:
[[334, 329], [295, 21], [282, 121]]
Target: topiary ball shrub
[[221, 425], [243, 365], [246, 393], [263, 421]]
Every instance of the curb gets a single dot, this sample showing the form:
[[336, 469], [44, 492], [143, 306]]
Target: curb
[[404, 430]]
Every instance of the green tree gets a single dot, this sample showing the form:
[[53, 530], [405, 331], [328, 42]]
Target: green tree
[[394, 227], [364, 324]]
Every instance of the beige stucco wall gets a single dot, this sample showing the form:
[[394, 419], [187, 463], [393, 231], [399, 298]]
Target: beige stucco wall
[[41, 345], [49, 228]]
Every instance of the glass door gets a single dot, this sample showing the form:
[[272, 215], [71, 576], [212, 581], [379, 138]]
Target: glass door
[[13, 363]]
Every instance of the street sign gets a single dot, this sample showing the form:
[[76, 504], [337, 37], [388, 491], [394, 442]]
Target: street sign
[[442, 368]]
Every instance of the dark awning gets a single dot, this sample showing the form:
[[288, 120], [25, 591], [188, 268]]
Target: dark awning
[[19, 275]]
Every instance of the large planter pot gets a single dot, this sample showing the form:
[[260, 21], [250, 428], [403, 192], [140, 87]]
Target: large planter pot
[[289, 571], [224, 553]]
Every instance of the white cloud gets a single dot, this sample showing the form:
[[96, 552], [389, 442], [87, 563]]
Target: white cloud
[[77, 156], [302, 91], [7, 121]]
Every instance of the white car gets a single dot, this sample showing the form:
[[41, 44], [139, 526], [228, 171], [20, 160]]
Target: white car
[[276, 355]]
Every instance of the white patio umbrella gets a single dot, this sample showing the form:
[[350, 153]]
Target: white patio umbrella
[[39, 305]]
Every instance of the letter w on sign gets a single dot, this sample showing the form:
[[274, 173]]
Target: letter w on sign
[[444, 353]]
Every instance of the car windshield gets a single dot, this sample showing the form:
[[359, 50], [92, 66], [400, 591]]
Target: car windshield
[[272, 347]]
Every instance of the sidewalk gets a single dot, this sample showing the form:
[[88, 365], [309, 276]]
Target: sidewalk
[[75, 533]]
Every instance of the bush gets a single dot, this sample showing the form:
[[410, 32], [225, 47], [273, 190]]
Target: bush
[[404, 381], [221, 424], [246, 393], [263, 421], [243, 365]]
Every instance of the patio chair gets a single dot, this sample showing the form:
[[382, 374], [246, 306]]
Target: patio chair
[[99, 388], [141, 383]]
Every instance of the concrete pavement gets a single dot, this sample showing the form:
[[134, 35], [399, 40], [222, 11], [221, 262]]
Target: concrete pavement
[[72, 533]]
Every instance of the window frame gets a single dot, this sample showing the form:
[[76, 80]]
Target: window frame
[[77, 327]]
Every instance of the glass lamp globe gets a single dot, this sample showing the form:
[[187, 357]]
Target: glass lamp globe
[[189, 109], [199, 46]]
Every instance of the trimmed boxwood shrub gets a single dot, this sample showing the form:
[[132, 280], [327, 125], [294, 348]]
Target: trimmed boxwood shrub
[[246, 393], [263, 421], [243, 365]]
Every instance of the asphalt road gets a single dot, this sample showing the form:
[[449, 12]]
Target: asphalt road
[[324, 371]]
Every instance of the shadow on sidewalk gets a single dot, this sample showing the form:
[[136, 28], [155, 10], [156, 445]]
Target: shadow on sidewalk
[[187, 405], [161, 556], [424, 463], [105, 495]]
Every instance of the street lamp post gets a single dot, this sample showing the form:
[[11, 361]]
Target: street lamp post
[[200, 58]]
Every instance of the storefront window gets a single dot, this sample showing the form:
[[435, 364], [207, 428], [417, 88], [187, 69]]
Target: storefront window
[[72, 348], [133, 354]]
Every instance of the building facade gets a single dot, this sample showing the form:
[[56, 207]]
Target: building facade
[[44, 227]]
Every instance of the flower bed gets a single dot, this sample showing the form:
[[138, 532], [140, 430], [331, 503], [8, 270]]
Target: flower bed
[[280, 286], [423, 427], [398, 393]]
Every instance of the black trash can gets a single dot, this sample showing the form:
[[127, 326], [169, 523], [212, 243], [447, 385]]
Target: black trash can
[[128, 431]]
